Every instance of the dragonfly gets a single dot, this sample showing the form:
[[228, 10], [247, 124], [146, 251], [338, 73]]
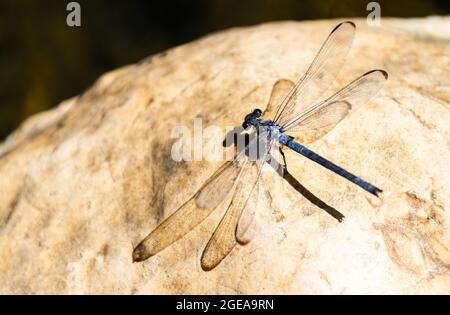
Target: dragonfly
[[293, 118]]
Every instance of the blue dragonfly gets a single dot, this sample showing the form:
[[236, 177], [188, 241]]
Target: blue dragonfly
[[293, 118]]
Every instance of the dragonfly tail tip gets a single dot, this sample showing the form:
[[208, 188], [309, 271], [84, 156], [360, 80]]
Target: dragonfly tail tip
[[377, 192]]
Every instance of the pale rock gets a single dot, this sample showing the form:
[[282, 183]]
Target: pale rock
[[82, 184]]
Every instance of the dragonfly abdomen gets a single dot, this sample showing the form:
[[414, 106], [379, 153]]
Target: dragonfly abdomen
[[297, 147]]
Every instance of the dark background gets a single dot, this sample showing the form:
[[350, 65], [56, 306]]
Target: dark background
[[43, 61]]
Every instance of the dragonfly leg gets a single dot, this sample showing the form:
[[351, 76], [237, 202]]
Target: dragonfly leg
[[284, 158]]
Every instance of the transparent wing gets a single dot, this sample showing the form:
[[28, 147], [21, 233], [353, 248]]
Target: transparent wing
[[224, 237], [280, 90], [316, 125], [322, 117], [320, 74], [217, 187], [248, 226], [193, 211], [246, 223]]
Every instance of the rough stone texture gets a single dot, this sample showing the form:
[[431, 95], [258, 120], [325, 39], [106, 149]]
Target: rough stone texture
[[81, 185]]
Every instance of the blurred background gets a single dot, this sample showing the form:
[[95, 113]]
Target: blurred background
[[43, 61]]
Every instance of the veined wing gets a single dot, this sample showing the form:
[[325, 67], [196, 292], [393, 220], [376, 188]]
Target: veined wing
[[320, 74], [320, 122], [227, 233], [194, 211], [322, 117], [280, 91], [248, 225]]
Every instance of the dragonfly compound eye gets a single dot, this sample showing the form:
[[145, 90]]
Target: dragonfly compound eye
[[257, 112]]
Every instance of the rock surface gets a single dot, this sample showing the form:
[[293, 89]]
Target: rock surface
[[81, 185]]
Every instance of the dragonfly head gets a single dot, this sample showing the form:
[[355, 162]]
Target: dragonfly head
[[250, 118]]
